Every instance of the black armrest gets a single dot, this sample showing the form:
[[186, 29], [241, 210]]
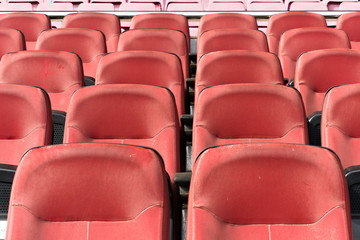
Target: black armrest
[[7, 173], [58, 126], [352, 175], [314, 128], [187, 122], [190, 83], [291, 83], [89, 81], [182, 179]]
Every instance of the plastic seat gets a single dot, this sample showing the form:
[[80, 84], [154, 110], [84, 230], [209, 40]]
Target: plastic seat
[[296, 41], [48, 7], [93, 7], [25, 123], [162, 20], [126, 113], [248, 113], [231, 39], [340, 132], [41, 68], [89, 44], [164, 40], [29, 23], [108, 24], [226, 20], [349, 6], [339, 125], [144, 67], [12, 40], [226, 5], [306, 5], [268, 191], [265, 5], [237, 66], [340, 66], [348, 23], [281, 22], [97, 197]]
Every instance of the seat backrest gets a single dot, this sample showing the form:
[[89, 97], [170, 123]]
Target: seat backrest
[[339, 124], [243, 113], [58, 73], [231, 39], [12, 40], [164, 40], [317, 71], [296, 41], [29, 23], [108, 24], [268, 191], [237, 66], [279, 23], [226, 20], [126, 113], [25, 123], [89, 191], [162, 20], [144, 67], [348, 23], [89, 44]]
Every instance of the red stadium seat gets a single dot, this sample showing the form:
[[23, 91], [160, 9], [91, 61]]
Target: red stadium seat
[[297, 41], [339, 124], [279, 23], [226, 20], [58, 73], [237, 66], [162, 20], [164, 40], [29, 23], [268, 191], [26, 121], [94, 191], [108, 24], [89, 44], [144, 67], [337, 67], [126, 113], [246, 113], [349, 22], [12, 40], [231, 39]]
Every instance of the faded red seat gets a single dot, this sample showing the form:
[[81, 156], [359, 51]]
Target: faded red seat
[[26, 121], [226, 20], [89, 190], [297, 41], [349, 22], [339, 124], [126, 113], [247, 113], [237, 66], [108, 24], [12, 40], [162, 20], [58, 73], [89, 44], [279, 23], [268, 191], [231, 39], [164, 40], [29, 23], [144, 67], [338, 66]]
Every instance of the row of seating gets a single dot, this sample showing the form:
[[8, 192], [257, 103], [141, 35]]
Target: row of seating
[[112, 191], [178, 5]]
